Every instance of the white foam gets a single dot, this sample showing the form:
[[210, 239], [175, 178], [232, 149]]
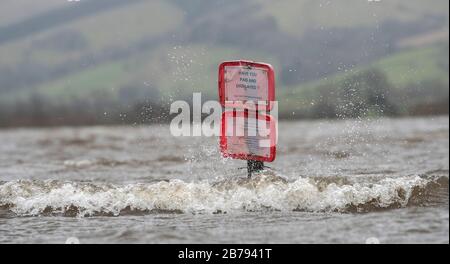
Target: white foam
[[38, 197], [78, 163]]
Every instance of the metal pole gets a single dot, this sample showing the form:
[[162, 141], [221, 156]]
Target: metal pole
[[254, 166]]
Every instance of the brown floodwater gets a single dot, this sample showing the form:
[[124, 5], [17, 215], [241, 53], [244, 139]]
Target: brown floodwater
[[347, 181]]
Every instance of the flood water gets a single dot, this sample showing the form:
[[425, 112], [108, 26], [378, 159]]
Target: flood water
[[352, 181]]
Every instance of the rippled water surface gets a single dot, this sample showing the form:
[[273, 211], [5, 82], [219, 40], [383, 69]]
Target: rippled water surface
[[332, 182]]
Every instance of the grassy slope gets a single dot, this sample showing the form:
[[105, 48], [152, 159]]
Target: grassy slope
[[416, 65], [119, 27], [297, 16], [403, 70], [193, 68], [12, 11], [158, 16]]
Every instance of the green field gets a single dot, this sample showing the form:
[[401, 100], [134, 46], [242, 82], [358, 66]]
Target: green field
[[407, 70], [297, 16]]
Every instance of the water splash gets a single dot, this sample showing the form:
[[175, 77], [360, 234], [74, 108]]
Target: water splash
[[266, 192]]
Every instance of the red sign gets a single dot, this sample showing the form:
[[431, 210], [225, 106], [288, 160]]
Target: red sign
[[246, 133], [242, 82], [248, 136]]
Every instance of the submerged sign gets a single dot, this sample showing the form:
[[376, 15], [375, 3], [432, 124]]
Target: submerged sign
[[248, 131], [248, 136]]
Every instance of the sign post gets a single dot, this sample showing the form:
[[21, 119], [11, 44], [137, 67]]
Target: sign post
[[248, 131], [254, 166]]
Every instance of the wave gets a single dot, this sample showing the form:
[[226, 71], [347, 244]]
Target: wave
[[262, 193]]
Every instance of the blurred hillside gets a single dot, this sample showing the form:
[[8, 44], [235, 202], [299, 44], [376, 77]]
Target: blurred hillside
[[115, 61]]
